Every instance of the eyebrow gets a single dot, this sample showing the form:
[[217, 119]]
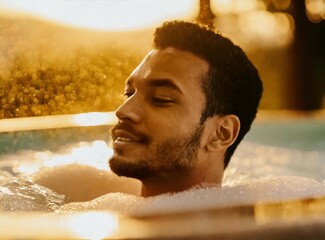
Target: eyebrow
[[166, 83], [163, 82]]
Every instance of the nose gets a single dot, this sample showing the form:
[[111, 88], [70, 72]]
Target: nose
[[131, 110]]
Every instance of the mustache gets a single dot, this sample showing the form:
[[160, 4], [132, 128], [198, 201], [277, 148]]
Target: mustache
[[128, 127]]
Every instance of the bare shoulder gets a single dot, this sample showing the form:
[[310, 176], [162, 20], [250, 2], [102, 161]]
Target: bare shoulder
[[83, 183]]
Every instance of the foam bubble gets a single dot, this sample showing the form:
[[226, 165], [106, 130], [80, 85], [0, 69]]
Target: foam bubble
[[271, 189]]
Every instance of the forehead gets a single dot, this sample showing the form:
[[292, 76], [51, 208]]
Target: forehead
[[182, 67]]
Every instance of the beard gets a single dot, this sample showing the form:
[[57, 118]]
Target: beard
[[177, 154]]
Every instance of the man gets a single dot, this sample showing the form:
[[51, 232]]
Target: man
[[188, 105]]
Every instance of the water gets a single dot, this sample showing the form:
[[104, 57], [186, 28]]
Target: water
[[24, 195], [275, 162]]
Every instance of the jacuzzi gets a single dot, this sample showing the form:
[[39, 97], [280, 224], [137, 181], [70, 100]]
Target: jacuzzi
[[279, 144]]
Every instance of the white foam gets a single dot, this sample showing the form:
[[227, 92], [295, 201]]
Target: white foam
[[271, 189], [256, 174]]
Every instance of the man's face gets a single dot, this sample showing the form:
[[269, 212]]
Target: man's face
[[159, 127]]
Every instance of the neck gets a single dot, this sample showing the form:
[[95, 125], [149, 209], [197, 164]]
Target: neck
[[207, 171], [172, 183]]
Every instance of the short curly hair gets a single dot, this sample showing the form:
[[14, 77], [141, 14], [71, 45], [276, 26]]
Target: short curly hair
[[233, 85]]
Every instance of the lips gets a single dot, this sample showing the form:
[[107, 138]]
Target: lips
[[124, 134], [121, 135]]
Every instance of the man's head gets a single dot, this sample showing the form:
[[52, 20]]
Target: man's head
[[232, 85], [189, 103]]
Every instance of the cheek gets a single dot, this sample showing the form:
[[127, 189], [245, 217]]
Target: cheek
[[162, 126], [171, 128], [162, 129], [167, 122]]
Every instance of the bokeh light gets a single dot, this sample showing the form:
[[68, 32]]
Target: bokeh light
[[281, 4], [315, 10], [52, 69], [235, 6], [250, 24]]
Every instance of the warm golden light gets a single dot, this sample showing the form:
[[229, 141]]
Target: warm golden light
[[57, 121], [290, 210], [108, 15], [28, 169], [251, 25], [281, 4], [93, 154], [235, 6], [93, 225], [270, 29], [94, 119], [315, 10]]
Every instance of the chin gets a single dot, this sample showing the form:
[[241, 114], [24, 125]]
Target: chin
[[133, 169]]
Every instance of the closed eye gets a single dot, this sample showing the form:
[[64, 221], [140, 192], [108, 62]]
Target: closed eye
[[162, 101]]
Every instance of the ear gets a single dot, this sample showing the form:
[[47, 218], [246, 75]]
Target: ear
[[226, 130]]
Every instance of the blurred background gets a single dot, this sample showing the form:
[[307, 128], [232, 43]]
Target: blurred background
[[73, 56]]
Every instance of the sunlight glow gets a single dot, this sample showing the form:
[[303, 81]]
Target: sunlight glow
[[315, 10], [28, 169], [251, 25], [95, 119], [95, 154], [281, 4], [107, 15], [235, 6], [269, 28], [93, 225], [57, 121]]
